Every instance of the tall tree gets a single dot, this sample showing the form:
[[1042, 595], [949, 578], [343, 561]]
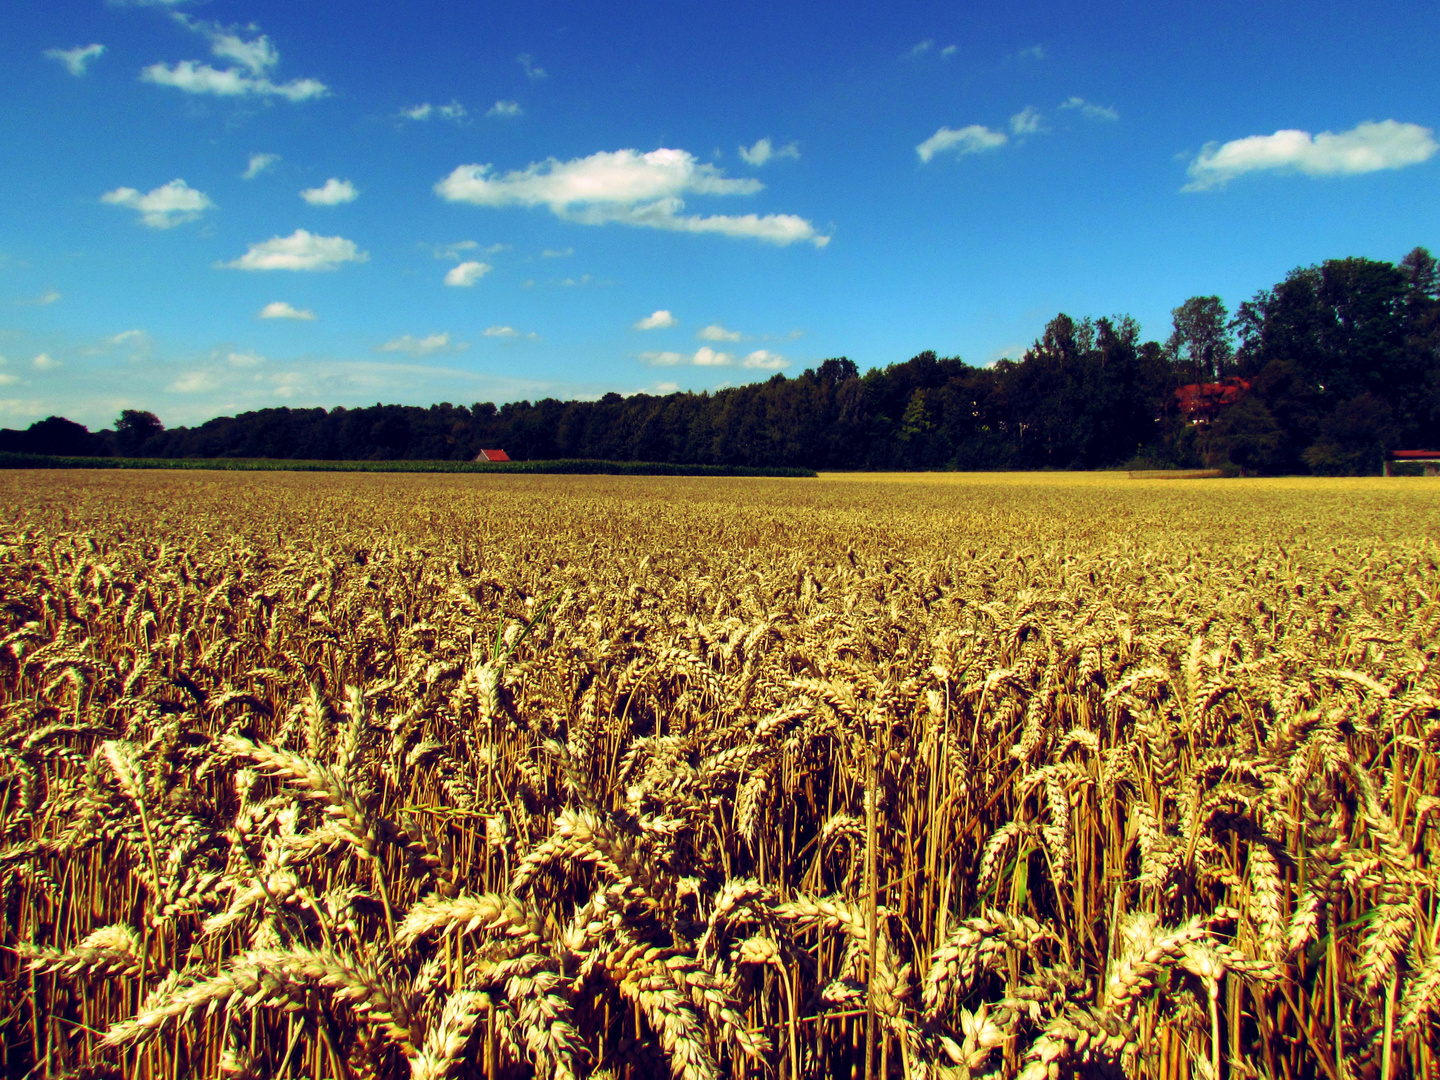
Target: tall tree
[[1200, 344]]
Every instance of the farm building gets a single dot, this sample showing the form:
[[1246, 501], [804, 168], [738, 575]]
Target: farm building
[[492, 455], [1202, 402]]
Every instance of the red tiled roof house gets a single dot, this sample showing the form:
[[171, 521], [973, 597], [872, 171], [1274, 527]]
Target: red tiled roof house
[[492, 455]]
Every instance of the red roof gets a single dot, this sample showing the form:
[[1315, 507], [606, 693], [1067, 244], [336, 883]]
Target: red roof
[[1415, 455], [1203, 401], [492, 455]]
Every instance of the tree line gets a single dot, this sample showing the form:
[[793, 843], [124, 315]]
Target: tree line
[[1326, 372]]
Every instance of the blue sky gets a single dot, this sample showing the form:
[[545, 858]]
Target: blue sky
[[213, 207]]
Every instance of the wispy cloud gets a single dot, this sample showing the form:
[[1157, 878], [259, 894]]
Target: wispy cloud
[[505, 109], [1367, 147], [44, 362], [971, 139], [922, 47], [765, 360], [716, 332], [45, 299], [279, 309], [454, 112], [533, 71], [1089, 109], [163, 207], [628, 187], [301, 250], [657, 320], [1027, 121], [254, 59], [258, 164], [557, 253], [509, 332], [764, 150], [1030, 52], [332, 193], [420, 346], [467, 273], [662, 359], [458, 250], [76, 59]]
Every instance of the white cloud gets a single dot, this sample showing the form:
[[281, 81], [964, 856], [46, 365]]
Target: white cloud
[[300, 250], [6, 380], [418, 346], [279, 309], [46, 298], [245, 359], [575, 283], [193, 77], [165, 206], [922, 48], [557, 253], [258, 164], [505, 109], [716, 332], [656, 320], [1368, 147], [532, 71], [765, 360], [1089, 109], [256, 57], [76, 59], [763, 151], [502, 331], [467, 273], [971, 139], [454, 111], [455, 252], [661, 359], [666, 387], [1031, 52], [628, 187], [44, 362], [949, 51], [128, 337], [192, 382], [708, 357], [333, 193], [1026, 121]]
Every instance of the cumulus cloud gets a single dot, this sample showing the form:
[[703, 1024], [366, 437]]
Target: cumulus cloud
[[163, 207], [628, 187], [502, 331], [76, 59], [1089, 109], [716, 332], [533, 72], [1027, 121], [418, 346], [708, 357], [300, 250], [332, 193], [279, 309], [258, 164], [254, 57], [1368, 147], [656, 320], [467, 273], [971, 139], [765, 360], [44, 362], [454, 111], [505, 109], [662, 359], [193, 77], [763, 151]]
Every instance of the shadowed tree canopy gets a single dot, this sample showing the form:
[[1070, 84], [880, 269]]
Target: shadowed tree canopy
[[1342, 362]]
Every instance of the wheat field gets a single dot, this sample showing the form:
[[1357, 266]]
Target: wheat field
[[939, 776]]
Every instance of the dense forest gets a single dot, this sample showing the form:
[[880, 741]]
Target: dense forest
[[1323, 373]]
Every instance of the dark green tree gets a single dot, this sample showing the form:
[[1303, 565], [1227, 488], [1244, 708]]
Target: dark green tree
[[133, 429], [1200, 344]]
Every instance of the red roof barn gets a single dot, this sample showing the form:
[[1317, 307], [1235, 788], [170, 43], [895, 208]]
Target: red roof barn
[[492, 455], [1202, 402]]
